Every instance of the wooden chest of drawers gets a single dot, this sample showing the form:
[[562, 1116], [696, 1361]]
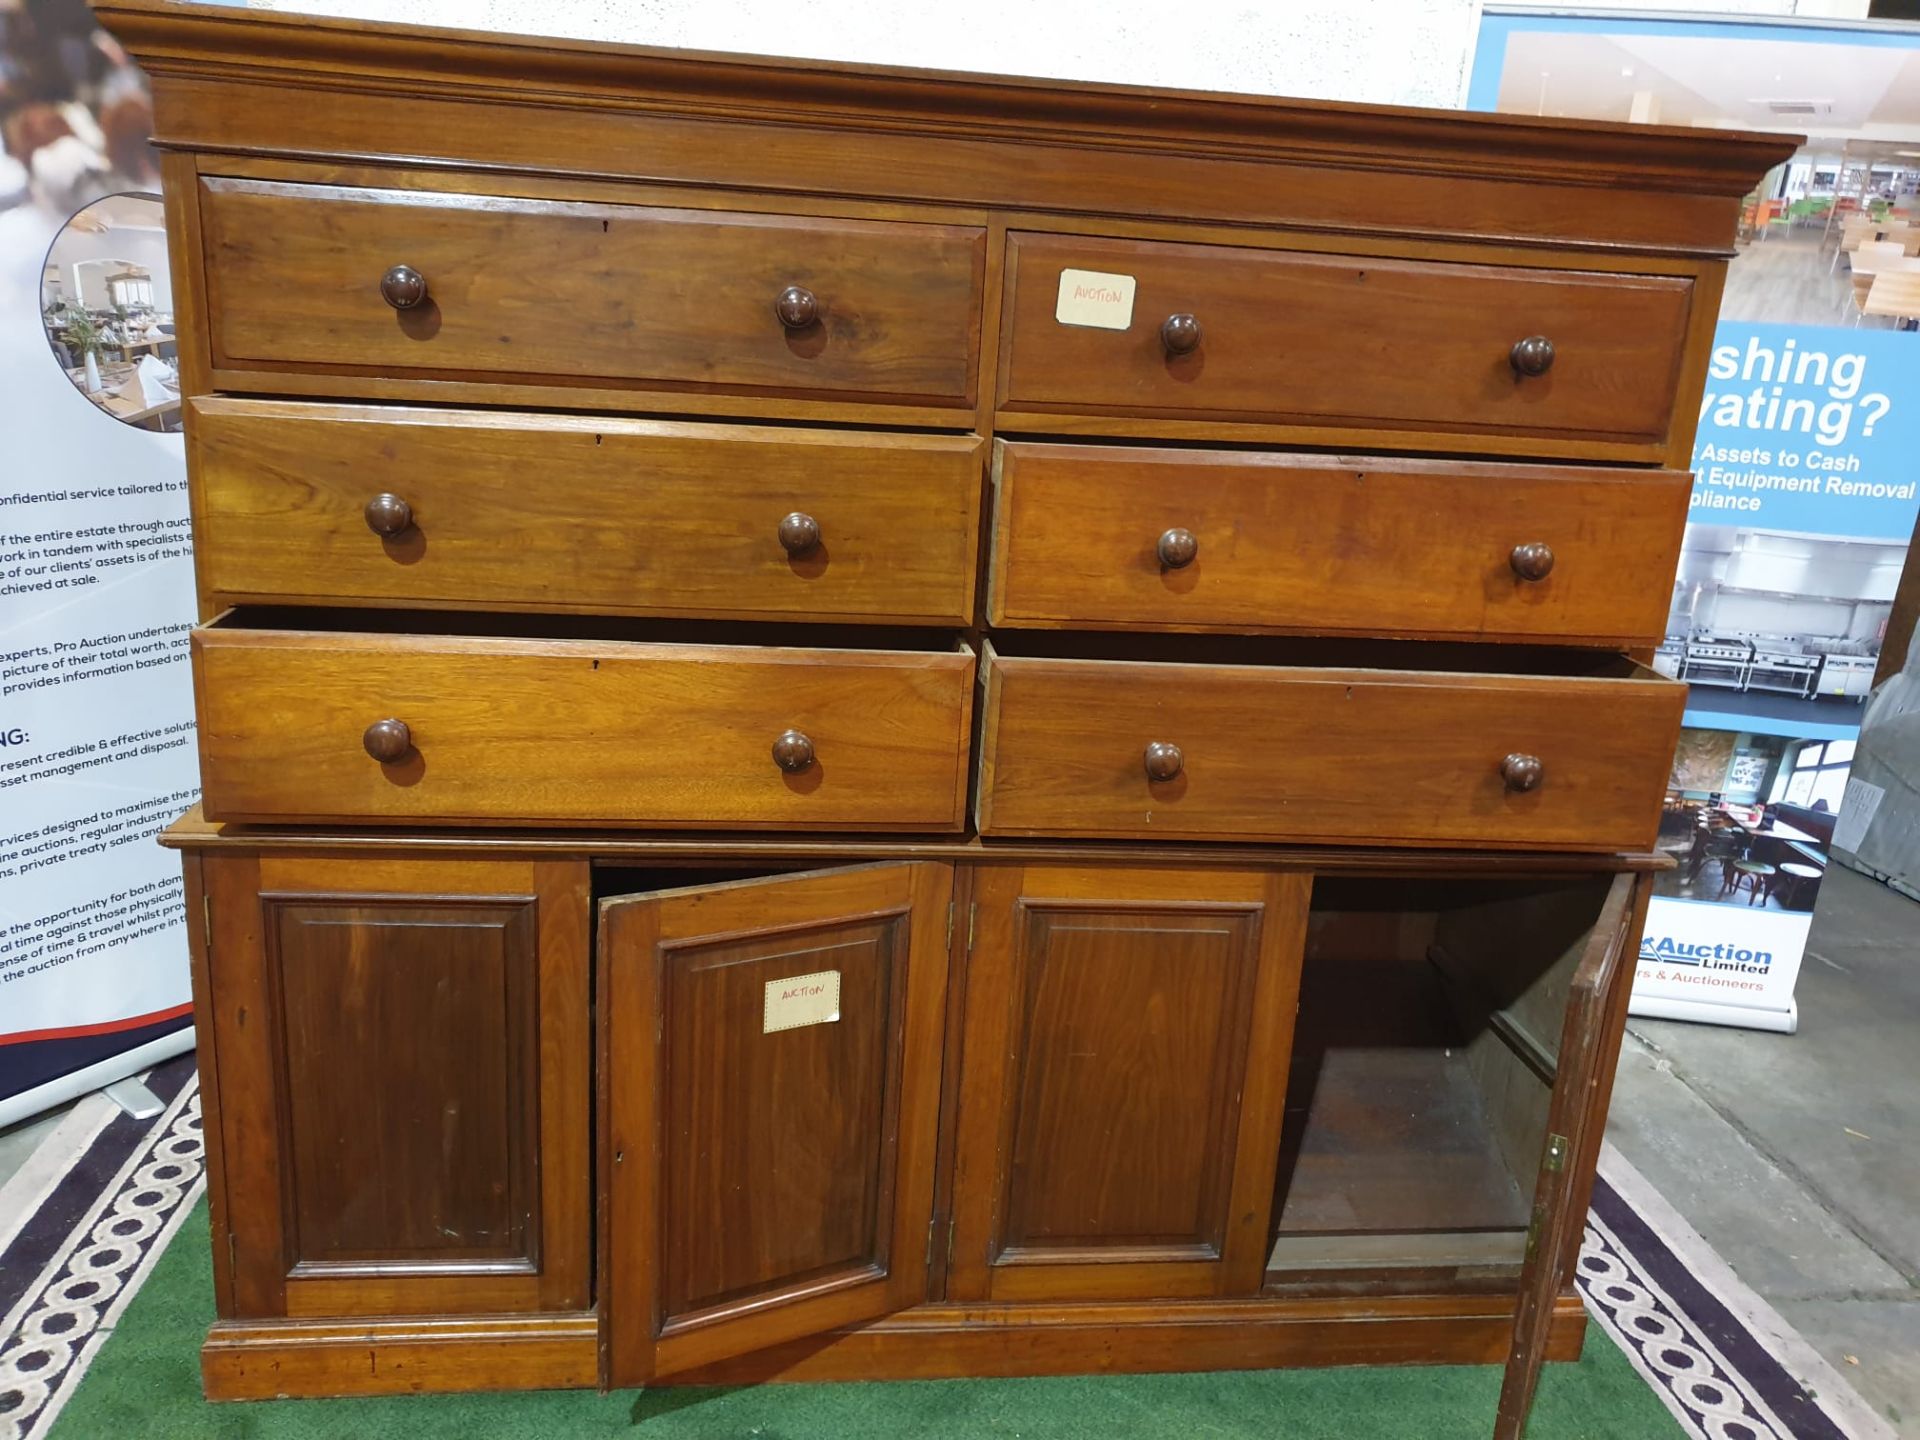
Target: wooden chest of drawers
[[868, 723]]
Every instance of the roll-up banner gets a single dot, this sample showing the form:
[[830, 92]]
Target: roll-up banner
[[1806, 461], [96, 589]]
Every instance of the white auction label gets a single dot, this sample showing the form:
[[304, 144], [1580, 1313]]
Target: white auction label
[[1088, 297], [802, 1000]]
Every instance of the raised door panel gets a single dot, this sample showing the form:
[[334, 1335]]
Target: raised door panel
[[1133, 1029], [772, 1056], [1125, 1068], [407, 1037], [404, 1078]]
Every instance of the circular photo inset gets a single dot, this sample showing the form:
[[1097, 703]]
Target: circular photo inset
[[106, 300]]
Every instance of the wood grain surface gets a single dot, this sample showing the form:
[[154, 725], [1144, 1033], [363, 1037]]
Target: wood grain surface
[[1316, 544], [563, 513], [508, 731], [1309, 754], [766, 1184], [1123, 1081], [577, 292], [390, 1150], [1368, 341]]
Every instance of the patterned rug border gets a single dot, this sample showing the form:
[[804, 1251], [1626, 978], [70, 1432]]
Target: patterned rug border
[[1810, 1397], [81, 1257], [1673, 1353], [1725, 1366]]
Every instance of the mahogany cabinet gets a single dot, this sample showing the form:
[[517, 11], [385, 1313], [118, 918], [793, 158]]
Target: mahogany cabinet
[[869, 723], [865, 1107]]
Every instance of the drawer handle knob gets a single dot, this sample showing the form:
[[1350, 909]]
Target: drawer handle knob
[[404, 288], [793, 752], [1522, 772], [1180, 334], [388, 740], [1176, 548], [797, 307], [388, 515], [1532, 356], [1163, 760], [1532, 561], [799, 533]]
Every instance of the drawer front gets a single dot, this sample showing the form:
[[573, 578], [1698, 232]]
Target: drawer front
[[1106, 536], [1348, 341], [524, 732], [412, 507], [1323, 755], [534, 290]]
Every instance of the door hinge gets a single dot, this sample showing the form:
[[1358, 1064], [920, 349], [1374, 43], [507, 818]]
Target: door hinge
[[1533, 1231], [949, 927], [973, 913], [1551, 1163], [952, 1225], [206, 924]]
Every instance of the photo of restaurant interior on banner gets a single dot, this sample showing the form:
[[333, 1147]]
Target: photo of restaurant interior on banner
[[1806, 461]]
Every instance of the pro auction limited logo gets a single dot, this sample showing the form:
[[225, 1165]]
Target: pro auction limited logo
[[1708, 955]]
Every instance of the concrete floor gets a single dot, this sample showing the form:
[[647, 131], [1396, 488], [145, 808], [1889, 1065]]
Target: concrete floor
[[1797, 1157], [17, 1142]]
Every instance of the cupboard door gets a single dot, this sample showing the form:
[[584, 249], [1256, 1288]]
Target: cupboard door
[[1125, 1070], [1582, 1079], [770, 1054], [404, 1085]]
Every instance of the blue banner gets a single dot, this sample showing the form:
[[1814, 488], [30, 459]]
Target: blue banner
[[1812, 429]]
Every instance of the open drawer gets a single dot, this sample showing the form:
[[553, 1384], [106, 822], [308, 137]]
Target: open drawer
[[1327, 742], [318, 715]]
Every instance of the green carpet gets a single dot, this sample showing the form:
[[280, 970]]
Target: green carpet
[[146, 1382]]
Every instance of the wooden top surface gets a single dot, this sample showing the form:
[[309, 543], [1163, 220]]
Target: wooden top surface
[[193, 831], [169, 38]]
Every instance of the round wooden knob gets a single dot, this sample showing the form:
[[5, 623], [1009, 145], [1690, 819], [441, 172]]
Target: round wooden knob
[[1522, 772], [1532, 561], [388, 515], [1163, 760], [799, 533], [1532, 356], [1176, 548], [1180, 334], [796, 307], [388, 740], [403, 287], [793, 752]]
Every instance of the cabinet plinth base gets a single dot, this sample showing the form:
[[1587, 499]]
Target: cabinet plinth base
[[275, 1359], [269, 1359]]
